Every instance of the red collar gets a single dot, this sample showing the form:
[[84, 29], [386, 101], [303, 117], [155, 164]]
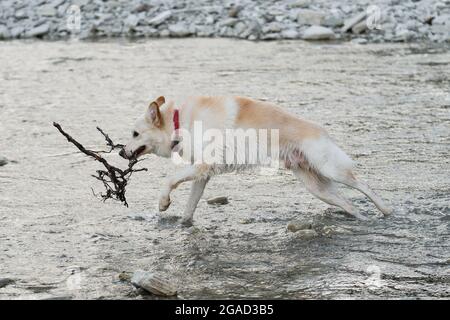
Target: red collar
[[176, 125], [176, 119]]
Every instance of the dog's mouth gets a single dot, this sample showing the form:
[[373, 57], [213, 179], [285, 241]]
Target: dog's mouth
[[138, 152]]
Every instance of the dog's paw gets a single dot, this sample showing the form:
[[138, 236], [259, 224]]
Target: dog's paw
[[164, 203], [186, 222]]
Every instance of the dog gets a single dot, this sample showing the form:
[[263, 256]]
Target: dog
[[303, 147]]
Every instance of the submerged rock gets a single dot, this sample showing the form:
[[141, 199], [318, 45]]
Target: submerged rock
[[5, 282], [297, 225], [306, 234], [218, 200], [3, 161], [153, 283]]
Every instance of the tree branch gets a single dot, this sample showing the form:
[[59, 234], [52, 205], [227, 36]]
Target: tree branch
[[114, 179]]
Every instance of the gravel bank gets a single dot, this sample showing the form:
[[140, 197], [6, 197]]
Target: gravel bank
[[383, 21]]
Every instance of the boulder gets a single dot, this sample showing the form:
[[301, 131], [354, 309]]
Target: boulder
[[153, 283], [38, 31], [160, 18], [318, 33], [349, 23], [310, 17]]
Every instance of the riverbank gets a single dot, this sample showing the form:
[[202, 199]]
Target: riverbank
[[358, 21]]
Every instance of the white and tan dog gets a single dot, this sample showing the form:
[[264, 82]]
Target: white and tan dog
[[304, 147]]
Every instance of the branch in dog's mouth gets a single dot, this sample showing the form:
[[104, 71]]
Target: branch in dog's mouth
[[114, 179]]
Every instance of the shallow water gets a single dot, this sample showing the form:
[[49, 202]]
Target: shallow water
[[386, 105]]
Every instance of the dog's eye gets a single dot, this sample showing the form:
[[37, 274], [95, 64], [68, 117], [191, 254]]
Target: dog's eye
[[135, 134]]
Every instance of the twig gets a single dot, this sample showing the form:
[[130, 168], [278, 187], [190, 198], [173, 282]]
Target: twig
[[114, 179]]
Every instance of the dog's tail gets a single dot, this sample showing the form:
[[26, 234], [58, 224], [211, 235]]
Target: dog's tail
[[325, 157]]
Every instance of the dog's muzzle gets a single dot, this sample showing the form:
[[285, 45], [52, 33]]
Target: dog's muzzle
[[123, 154]]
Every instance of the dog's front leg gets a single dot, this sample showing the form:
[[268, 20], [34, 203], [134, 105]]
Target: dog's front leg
[[197, 188], [194, 172]]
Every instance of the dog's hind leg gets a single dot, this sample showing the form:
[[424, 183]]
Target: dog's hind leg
[[351, 181], [324, 189], [197, 188]]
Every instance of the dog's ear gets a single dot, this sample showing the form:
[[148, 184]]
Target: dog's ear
[[154, 115], [160, 101]]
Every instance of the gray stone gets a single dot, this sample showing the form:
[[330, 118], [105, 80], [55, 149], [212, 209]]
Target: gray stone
[[131, 21], [290, 34], [4, 34], [333, 22], [179, 30], [229, 22], [297, 225], [218, 200], [160, 18], [299, 4], [57, 3], [403, 34], [80, 3], [239, 28], [306, 234], [271, 36], [359, 41], [17, 31], [21, 14], [5, 282], [272, 27], [318, 33], [164, 33], [46, 11], [359, 27], [41, 30], [349, 23], [153, 283], [310, 17], [442, 19]]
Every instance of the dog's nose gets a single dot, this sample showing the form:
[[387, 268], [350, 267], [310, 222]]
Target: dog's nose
[[122, 153]]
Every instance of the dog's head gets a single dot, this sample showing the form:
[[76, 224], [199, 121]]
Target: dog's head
[[147, 135]]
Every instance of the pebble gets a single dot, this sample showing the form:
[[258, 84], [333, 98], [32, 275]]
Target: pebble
[[297, 225], [153, 283], [218, 200]]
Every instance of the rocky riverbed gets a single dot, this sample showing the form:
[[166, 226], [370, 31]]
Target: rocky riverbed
[[360, 21], [387, 105]]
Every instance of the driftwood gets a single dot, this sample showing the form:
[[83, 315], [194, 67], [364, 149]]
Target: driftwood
[[114, 179]]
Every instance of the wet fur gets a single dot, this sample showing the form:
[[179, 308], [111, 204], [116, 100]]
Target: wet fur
[[305, 148]]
